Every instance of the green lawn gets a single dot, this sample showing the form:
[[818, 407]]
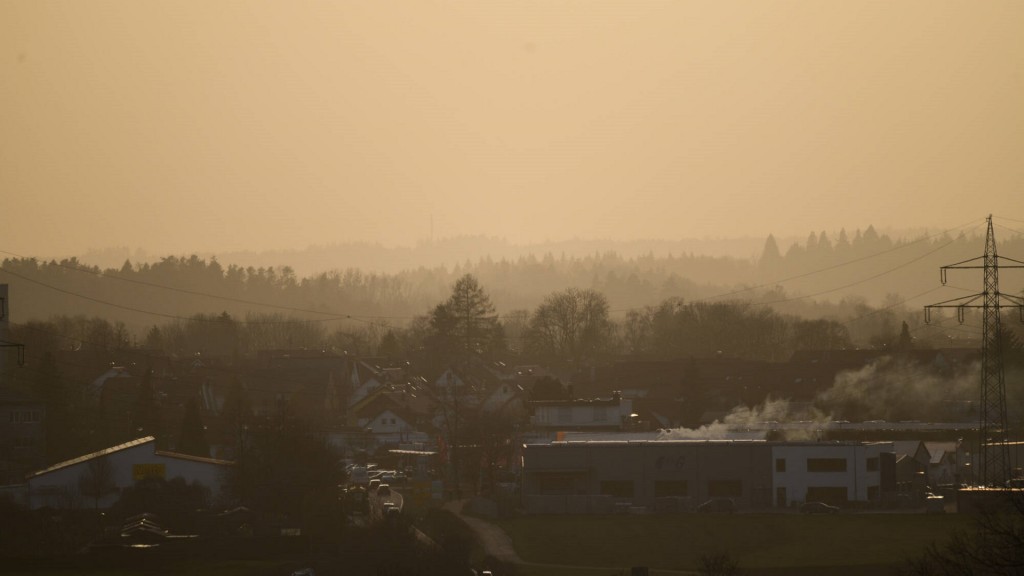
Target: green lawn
[[763, 543]]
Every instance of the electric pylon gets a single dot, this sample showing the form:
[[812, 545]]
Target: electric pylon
[[993, 435]]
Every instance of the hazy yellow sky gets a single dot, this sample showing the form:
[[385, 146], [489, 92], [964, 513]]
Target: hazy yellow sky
[[180, 126]]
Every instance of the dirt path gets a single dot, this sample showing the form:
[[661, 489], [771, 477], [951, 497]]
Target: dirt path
[[494, 540]]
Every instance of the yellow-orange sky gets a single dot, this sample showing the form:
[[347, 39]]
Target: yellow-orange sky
[[182, 126]]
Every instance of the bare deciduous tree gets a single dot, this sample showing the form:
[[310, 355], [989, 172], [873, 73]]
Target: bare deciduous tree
[[98, 480], [571, 325]]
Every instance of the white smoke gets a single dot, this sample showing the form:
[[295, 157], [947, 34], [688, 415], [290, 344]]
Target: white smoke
[[756, 422], [894, 390], [887, 389]]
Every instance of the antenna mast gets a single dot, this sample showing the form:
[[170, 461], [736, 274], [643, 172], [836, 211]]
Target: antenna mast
[[993, 434]]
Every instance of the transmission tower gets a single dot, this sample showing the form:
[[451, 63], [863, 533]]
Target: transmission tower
[[993, 435]]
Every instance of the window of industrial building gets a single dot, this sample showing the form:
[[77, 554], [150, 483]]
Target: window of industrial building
[[780, 464], [617, 488], [827, 494], [670, 488], [556, 484], [872, 464], [24, 417], [826, 464], [725, 488], [24, 443], [873, 493]]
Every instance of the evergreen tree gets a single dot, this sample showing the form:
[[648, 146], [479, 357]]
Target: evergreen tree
[[906, 341], [824, 244], [770, 255], [465, 325]]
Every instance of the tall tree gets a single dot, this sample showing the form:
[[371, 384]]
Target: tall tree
[[465, 325], [571, 325], [462, 328]]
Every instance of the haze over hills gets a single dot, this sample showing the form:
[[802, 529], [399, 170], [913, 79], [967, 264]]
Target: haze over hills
[[823, 276], [392, 258]]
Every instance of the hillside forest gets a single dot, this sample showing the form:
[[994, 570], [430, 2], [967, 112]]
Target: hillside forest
[[864, 291]]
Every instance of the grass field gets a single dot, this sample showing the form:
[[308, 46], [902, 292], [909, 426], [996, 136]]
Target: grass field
[[239, 568], [762, 543]]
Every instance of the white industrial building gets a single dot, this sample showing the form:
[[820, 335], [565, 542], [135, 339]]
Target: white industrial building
[[97, 479], [836, 472], [592, 476]]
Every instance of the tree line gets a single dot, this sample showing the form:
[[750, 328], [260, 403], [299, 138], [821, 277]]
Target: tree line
[[822, 277]]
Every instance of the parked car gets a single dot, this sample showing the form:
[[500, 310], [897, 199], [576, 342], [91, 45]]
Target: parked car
[[374, 484], [720, 505], [383, 490], [818, 508]]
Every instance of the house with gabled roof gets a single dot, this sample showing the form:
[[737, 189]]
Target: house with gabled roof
[[473, 381], [367, 376], [943, 463], [395, 414]]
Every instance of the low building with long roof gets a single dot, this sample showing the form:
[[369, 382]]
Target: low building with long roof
[[97, 479]]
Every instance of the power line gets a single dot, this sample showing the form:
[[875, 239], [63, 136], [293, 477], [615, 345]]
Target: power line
[[175, 316], [841, 264], [370, 319], [1010, 219], [858, 282]]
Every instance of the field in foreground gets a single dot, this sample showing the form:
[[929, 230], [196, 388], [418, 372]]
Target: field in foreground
[[762, 543]]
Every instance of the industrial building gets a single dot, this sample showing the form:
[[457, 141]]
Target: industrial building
[[97, 479], [602, 476]]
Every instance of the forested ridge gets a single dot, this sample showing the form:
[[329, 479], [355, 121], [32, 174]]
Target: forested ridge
[[867, 282]]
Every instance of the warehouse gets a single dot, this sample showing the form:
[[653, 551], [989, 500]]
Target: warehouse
[[97, 479], [645, 475]]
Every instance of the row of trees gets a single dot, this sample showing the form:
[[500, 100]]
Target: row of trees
[[815, 279], [569, 327], [574, 326]]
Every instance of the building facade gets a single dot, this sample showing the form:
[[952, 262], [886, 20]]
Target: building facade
[[97, 479], [600, 476]]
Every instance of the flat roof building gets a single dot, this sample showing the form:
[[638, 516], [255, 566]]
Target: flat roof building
[[600, 476]]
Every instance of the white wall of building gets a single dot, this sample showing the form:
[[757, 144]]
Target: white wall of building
[[860, 478]]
